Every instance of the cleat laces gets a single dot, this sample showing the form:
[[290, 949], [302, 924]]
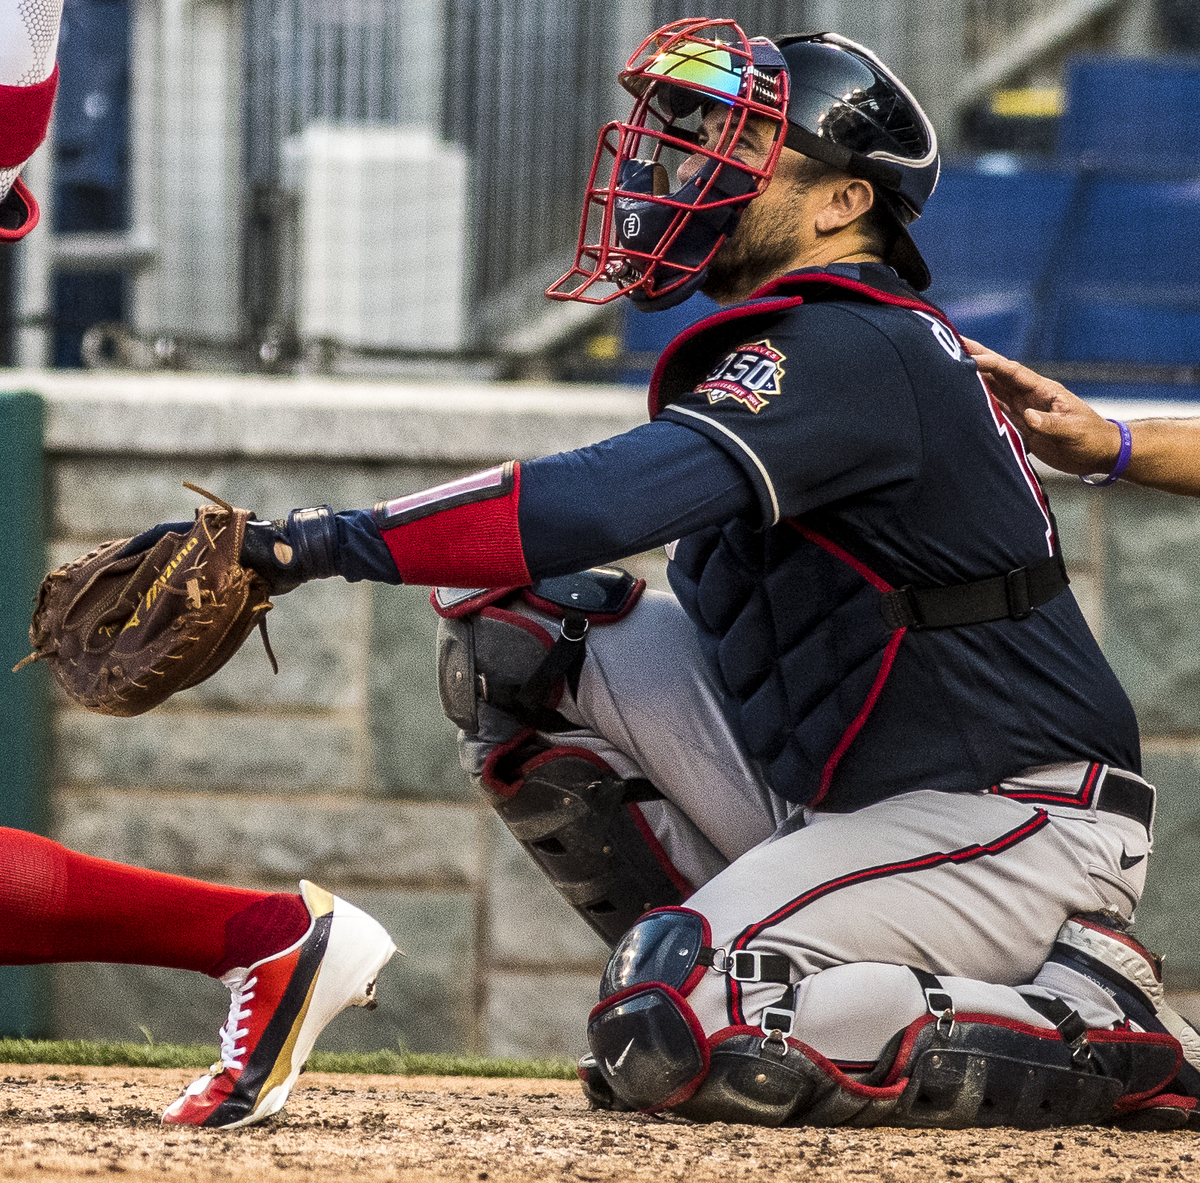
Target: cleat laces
[[239, 993]]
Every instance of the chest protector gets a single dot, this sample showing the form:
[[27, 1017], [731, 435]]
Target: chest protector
[[802, 634]]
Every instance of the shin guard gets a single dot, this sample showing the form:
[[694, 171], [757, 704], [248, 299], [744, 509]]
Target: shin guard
[[982, 1072], [575, 816], [581, 824]]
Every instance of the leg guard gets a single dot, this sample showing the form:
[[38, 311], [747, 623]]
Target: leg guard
[[577, 819], [581, 824], [945, 1070], [980, 1072]]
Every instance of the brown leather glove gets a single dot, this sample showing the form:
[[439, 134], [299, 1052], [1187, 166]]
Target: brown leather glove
[[128, 624]]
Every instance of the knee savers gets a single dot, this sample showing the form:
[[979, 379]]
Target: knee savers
[[947, 1072]]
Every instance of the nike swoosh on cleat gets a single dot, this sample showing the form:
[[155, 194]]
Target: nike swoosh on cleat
[[1127, 862], [620, 1059]]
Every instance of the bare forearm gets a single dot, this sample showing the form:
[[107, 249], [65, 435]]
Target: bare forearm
[[1166, 455], [1062, 430]]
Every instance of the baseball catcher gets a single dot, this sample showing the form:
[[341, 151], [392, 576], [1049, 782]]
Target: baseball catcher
[[859, 807]]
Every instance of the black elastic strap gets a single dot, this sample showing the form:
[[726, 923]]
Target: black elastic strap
[[936, 998], [1001, 597], [637, 790], [564, 659], [1069, 1025], [808, 143], [772, 967]]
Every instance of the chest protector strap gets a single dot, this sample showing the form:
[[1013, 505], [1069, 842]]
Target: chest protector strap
[[1013, 596]]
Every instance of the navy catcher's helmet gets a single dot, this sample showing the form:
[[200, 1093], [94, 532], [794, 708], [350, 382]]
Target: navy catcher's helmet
[[847, 109]]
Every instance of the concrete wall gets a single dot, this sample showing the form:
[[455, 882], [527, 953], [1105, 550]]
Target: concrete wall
[[342, 768]]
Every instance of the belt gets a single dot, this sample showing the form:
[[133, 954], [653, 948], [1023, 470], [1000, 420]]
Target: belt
[[1119, 793]]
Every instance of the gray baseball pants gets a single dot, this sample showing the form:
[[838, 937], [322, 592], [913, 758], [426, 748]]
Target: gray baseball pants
[[971, 887]]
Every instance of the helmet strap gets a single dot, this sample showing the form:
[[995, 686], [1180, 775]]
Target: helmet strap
[[807, 143]]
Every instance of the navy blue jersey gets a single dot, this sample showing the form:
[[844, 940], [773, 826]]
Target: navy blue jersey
[[806, 457], [878, 460]]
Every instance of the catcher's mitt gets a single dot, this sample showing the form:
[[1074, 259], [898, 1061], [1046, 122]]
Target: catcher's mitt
[[123, 631]]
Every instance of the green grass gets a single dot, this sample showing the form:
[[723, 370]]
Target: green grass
[[87, 1053]]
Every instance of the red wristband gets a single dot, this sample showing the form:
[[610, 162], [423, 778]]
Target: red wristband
[[461, 534]]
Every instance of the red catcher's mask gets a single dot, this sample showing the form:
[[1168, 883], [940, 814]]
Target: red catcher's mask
[[639, 237]]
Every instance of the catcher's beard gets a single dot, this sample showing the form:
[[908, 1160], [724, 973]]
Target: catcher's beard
[[762, 247]]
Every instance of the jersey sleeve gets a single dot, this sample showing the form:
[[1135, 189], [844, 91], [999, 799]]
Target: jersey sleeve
[[524, 521], [819, 408], [628, 494]]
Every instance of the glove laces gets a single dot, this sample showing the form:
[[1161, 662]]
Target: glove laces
[[240, 992]]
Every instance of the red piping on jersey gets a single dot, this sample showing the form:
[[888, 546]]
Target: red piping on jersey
[[773, 301], [885, 666], [1083, 799], [717, 318], [1016, 445], [24, 118], [964, 854], [856, 725], [656, 848], [876, 581], [784, 282]]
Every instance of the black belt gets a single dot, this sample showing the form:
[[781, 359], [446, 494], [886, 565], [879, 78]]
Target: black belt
[[1013, 596], [1120, 793], [1128, 797]]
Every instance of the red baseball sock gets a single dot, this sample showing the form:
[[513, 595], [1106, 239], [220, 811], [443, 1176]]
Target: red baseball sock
[[58, 905]]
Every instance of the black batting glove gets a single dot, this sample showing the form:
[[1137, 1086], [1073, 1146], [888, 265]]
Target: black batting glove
[[290, 551]]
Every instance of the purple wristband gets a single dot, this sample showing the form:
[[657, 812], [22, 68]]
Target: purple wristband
[[1095, 479]]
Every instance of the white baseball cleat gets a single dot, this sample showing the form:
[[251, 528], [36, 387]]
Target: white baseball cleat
[[278, 1007]]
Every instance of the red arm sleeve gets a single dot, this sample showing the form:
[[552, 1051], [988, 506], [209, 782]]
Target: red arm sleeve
[[460, 534]]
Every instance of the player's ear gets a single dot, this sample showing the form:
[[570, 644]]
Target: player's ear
[[849, 199]]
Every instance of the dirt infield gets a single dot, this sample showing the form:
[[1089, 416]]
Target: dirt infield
[[72, 1123]]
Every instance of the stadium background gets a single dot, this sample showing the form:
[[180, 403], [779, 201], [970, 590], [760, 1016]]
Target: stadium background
[[334, 222]]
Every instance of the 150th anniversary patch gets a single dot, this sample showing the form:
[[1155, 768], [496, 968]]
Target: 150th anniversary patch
[[749, 374]]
